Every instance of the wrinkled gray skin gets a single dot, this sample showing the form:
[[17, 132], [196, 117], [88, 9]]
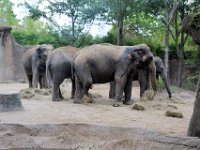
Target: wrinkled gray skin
[[59, 68], [160, 71], [105, 63], [141, 75], [34, 61]]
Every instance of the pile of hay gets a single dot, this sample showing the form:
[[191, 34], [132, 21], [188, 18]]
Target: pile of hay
[[170, 113], [34, 93], [138, 107]]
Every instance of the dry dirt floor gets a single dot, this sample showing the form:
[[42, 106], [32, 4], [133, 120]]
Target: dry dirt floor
[[40, 110]]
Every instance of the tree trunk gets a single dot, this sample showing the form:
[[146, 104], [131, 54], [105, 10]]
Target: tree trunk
[[166, 48], [167, 30], [73, 31], [120, 31], [194, 126]]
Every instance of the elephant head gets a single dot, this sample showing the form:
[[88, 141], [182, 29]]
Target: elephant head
[[143, 57], [43, 52]]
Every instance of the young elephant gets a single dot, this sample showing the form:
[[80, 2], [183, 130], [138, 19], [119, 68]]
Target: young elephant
[[34, 61], [141, 75], [59, 67], [160, 71], [105, 63]]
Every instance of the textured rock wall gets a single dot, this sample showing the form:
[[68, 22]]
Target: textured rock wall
[[10, 57]]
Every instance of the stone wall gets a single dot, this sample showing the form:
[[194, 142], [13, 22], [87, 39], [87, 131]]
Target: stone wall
[[186, 70], [10, 57]]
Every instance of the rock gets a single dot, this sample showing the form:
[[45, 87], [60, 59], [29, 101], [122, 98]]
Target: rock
[[10, 101], [11, 67]]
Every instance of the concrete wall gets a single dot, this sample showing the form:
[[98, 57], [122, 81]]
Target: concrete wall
[[10, 57]]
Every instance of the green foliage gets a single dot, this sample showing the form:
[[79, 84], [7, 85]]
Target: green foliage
[[195, 21], [85, 40], [111, 36], [37, 32], [160, 85], [7, 17], [81, 14]]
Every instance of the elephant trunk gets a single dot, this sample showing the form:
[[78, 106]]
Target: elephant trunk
[[48, 76], [152, 70], [164, 78]]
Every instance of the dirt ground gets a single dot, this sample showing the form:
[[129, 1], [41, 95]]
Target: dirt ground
[[41, 110]]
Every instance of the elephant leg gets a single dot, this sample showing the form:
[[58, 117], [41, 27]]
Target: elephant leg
[[164, 78], [44, 82], [127, 91], [143, 81], [41, 81], [78, 93], [87, 84], [35, 79], [73, 89], [30, 78], [112, 90], [56, 91], [120, 85], [60, 94]]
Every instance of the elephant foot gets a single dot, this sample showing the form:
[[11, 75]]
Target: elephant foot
[[77, 101], [111, 97], [56, 99], [61, 97], [72, 97], [129, 102], [118, 104]]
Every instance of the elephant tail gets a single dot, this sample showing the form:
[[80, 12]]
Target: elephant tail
[[72, 71]]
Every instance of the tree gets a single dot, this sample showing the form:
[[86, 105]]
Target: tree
[[117, 12], [31, 32], [191, 27], [81, 13], [163, 10], [7, 17]]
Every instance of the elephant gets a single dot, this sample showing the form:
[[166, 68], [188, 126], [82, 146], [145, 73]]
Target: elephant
[[141, 75], [160, 71], [101, 63], [34, 62], [59, 68]]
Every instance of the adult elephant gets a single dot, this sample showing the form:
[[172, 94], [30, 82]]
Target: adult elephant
[[105, 63], [34, 61], [141, 74], [59, 67]]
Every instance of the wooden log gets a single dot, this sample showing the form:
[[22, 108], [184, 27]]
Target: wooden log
[[10, 101]]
